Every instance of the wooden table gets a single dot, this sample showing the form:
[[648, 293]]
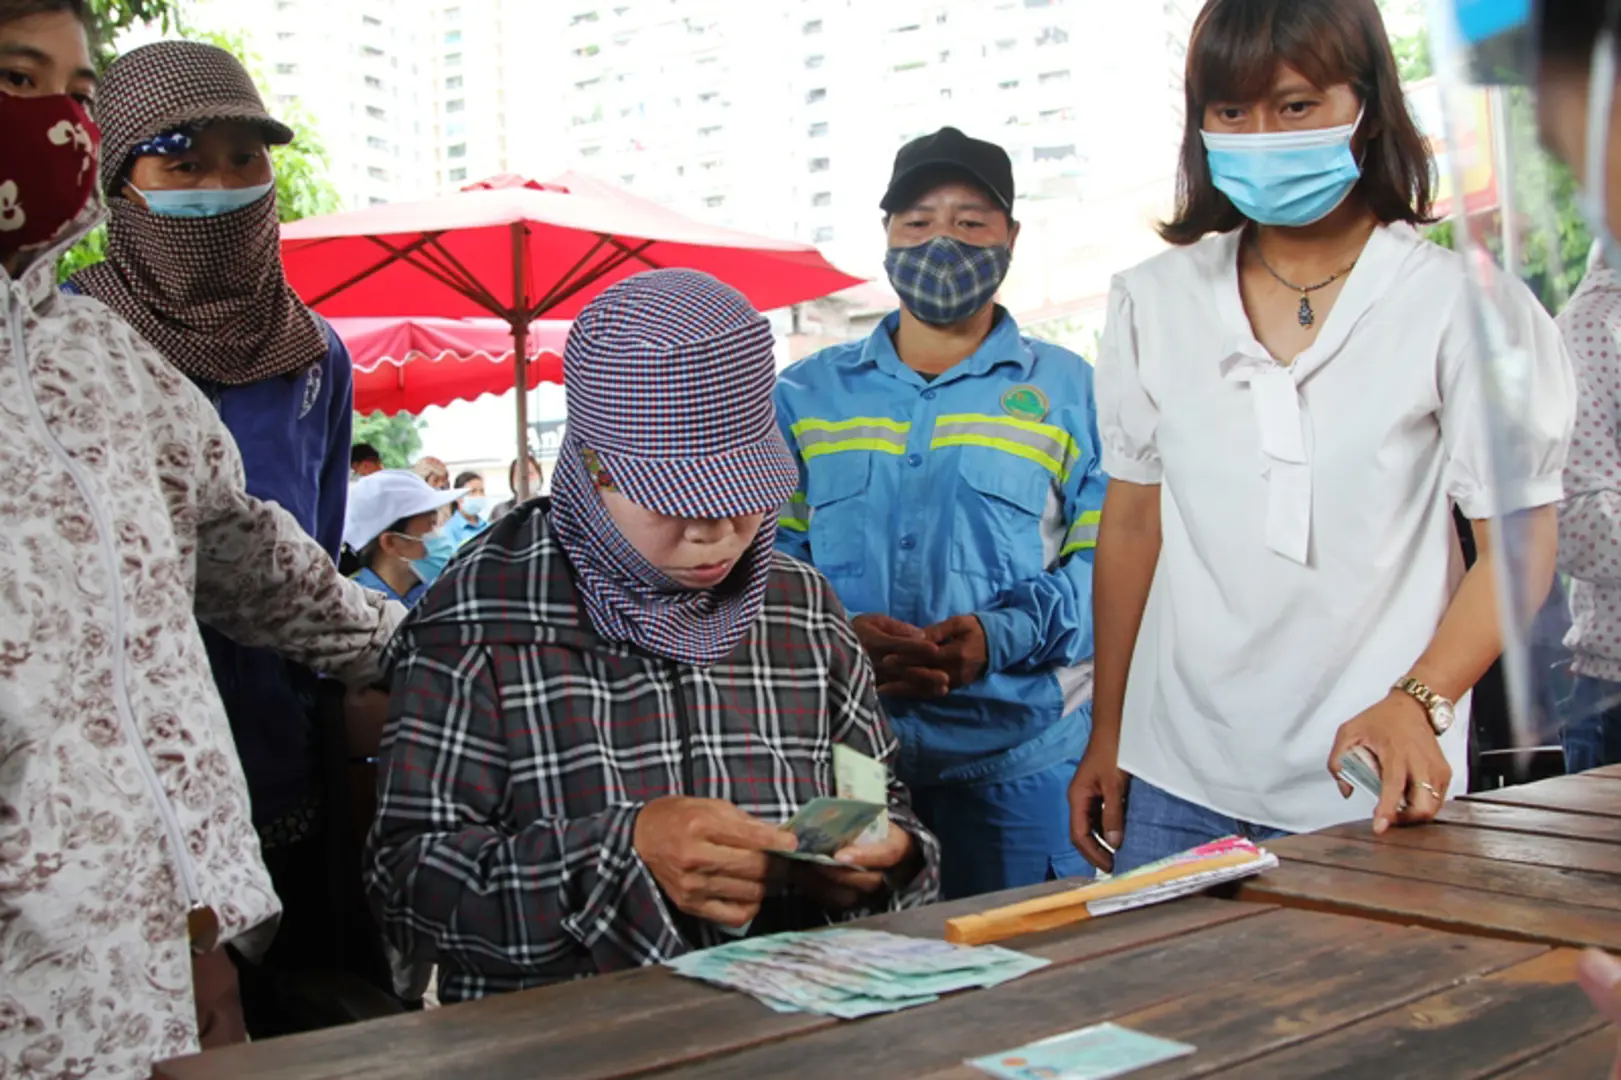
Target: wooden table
[[1260, 990], [1539, 863]]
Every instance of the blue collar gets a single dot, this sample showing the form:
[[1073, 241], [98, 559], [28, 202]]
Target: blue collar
[[1003, 345]]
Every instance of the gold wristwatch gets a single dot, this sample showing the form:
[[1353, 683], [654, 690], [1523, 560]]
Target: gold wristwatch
[[1442, 712]]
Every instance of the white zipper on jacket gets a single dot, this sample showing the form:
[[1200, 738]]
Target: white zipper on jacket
[[19, 306]]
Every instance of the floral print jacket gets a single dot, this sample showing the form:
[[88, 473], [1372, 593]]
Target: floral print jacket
[[122, 802]]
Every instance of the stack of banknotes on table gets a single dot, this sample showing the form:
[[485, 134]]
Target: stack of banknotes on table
[[852, 973]]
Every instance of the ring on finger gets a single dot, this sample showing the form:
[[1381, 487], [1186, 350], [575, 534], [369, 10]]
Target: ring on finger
[[1431, 789]]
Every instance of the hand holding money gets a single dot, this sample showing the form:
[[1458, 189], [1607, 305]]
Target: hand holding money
[[708, 856], [840, 889]]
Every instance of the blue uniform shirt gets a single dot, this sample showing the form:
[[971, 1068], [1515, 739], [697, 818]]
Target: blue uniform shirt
[[980, 493], [294, 435], [367, 578]]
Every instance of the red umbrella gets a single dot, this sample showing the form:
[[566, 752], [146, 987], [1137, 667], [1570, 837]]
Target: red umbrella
[[405, 365], [519, 250]]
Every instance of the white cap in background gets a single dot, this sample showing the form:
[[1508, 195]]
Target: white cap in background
[[379, 500]]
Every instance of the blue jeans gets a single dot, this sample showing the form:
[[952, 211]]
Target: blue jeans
[[1592, 732], [1002, 834], [1158, 825]]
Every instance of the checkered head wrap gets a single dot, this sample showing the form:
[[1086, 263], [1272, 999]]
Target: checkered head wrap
[[669, 377], [208, 293]]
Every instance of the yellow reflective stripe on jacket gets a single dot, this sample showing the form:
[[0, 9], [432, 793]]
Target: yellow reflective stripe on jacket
[[876, 433], [1048, 446], [795, 513], [1083, 535]]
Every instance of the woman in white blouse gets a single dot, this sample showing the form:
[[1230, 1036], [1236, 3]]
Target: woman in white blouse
[[1290, 407]]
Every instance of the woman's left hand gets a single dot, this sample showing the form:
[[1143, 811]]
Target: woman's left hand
[[1411, 765]]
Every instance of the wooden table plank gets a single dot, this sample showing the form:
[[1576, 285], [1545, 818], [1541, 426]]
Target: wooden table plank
[[615, 1024], [1444, 865], [1577, 794], [1605, 772], [1317, 994], [1207, 965], [1522, 819], [1439, 907], [1500, 846], [1586, 1058], [1478, 1029]]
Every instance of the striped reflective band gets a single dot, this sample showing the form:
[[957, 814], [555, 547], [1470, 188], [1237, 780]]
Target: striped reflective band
[[1048, 446], [1083, 535], [795, 513], [875, 433]]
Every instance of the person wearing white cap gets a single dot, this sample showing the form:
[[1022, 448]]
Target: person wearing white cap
[[393, 526]]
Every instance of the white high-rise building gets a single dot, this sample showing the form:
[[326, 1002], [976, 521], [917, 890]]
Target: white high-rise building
[[359, 68]]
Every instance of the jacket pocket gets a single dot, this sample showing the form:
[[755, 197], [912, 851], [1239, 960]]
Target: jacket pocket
[[836, 487], [1006, 508]]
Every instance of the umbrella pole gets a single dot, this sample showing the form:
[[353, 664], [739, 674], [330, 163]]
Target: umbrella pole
[[520, 359]]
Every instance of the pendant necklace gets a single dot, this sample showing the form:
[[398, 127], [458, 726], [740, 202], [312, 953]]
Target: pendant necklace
[[1308, 317]]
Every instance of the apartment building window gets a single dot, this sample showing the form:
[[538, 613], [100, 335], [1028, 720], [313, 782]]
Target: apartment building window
[[820, 164], [376, 112], [456, 127], [373, 200], [585, 52], [1052, 35], [286, 69], [1055, 153], [583, 17], [453, 59], [376, 142], [1011, 84], [714, 201], [818, 129], [370, 51], [824, 235], [1006, 44], [913, 65], [590, 151], [1052, 78], [456, 105], [453, 83], [457, 151], [376, 173], [370, 21], [813, 27], [815, 61], [1055, 116], [452, 14], [822, 198], [373, 83], [818, 94], [457, 175], [453, 37], [1038, 3]]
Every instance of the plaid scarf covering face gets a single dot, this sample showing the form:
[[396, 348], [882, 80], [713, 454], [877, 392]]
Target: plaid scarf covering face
[[628, 599], [207, 293], [210, 294], [943, 280]]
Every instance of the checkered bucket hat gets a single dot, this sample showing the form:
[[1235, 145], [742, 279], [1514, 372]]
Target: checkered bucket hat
[[669, 377], [167, 85]]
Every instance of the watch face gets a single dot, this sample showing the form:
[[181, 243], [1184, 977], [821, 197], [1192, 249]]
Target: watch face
[[1442, 716]]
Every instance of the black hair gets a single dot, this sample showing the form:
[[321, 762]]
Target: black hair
[[363, 452], [1234, 55], [369, 552], [465, 478], [1568, 28], [11, 10]]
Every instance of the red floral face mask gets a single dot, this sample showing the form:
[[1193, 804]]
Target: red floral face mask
[[48, 173]]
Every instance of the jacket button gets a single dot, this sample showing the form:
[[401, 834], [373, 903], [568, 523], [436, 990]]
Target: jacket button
[[930, 395], [915, 460], [908, 543]]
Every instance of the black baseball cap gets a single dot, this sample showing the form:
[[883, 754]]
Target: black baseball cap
[[949, 151]]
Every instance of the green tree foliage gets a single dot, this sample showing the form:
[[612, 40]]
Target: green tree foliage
[[112, 17], [1554, 235], [397, 438]]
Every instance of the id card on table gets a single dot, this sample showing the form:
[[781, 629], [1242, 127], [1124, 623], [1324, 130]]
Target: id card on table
[[1094, 1053]]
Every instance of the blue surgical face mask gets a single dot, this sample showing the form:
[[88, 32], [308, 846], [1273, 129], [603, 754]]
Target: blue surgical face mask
[[1288, 178], [203, 202], [440, 548], [944, 281], [474, 506]]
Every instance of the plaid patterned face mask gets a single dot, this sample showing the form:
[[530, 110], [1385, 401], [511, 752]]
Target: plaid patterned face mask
[[944, 281]]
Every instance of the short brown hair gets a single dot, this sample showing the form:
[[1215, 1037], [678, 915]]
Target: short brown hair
[[1234, 55]]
